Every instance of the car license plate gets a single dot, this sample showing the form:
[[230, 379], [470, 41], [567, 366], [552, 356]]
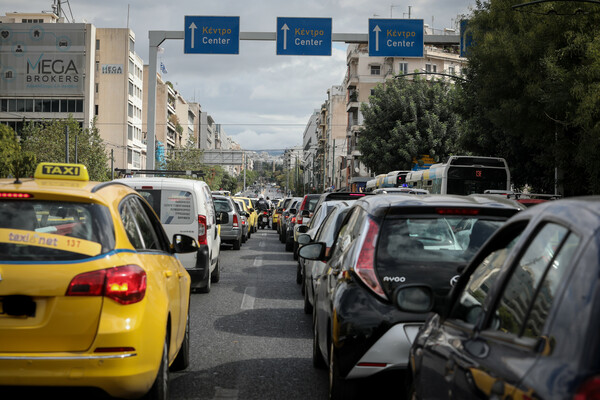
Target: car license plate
[[17, 306]]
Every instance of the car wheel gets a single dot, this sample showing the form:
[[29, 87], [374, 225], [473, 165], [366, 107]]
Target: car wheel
[[289, 245], [160, 387], [215, 276], [249, 233], [298, 274], [295, 250], [182, 360], [339, 388], [317, 356], [206, 287], [237, 244], [244, 238], [308, 308], [274, 227]]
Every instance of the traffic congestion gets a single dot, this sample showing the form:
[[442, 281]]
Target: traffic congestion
[[424, 296]]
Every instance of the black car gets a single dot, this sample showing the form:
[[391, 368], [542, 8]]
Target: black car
[[522, 321], [386, 241]]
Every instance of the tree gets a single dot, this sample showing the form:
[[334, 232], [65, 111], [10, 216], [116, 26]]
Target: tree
[[14, 161], [406, 118], [531, 94], [47, 141], [187, 158]]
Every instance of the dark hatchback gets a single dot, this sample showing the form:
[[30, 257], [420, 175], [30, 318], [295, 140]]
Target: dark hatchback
[[386, 241], [522, 321]]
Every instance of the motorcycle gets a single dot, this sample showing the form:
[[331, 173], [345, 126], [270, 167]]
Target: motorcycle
[[263, 219]]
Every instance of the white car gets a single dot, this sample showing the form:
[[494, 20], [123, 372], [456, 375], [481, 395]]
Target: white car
[[186, 206]]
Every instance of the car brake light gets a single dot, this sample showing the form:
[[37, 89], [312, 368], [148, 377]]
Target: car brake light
[[299, 220], [125, 284], [11, 195], [293, 220], [590, 390], [457, 211], [236, 223], [365, 265], [202, 230], [147, 187]]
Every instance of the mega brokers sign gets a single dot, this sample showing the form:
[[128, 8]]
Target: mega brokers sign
[[42, 58]]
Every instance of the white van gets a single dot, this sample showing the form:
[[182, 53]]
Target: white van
[[186, 206]]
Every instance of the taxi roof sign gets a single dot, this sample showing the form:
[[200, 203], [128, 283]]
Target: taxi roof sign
[[74, 172]]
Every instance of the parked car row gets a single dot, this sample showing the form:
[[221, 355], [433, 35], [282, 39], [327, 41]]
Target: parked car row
[[358, 251]]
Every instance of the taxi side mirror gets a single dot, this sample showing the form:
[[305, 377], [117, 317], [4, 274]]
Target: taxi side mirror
[[183, 244]]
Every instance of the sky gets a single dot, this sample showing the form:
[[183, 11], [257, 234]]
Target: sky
[[263, 101]]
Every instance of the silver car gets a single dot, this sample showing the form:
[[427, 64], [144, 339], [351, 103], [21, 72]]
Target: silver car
[[231, 232]]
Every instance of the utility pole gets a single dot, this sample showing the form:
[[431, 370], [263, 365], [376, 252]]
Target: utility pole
[[67, 144]]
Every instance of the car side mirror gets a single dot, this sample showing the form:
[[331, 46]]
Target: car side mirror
[[245, 214], [312, 251], [303, 228], [183, 244], [279, 210], [305, 213], [222, 218], [414, 298], [293, 211], [251, 210], [303, 239]]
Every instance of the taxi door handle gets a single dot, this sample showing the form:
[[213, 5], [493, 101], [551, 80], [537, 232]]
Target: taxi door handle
[[180, 275], [168, 273]]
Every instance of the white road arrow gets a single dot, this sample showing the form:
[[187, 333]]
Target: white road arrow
[[285, 28], [376, 30], [193, 27]]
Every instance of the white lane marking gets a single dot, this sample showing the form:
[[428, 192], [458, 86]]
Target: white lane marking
[[262, 244], [249, 298], [225, 394], [258, 261]]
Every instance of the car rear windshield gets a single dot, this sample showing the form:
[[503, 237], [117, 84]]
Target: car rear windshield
[[434, 238], [222, 205], [172, 206], [54, 231]]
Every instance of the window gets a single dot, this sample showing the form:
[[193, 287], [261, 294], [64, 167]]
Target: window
[[55, 106], [129, 155], [403, 68], [471, 303], [526, 300], [375, 69], [97, 66], [96, 109], [452, 70], [97, 44], [97, 86], [129, 136], [4, 105], [131, 228], [131, 45]]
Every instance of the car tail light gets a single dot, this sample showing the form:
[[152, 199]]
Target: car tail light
[[125, 284], [457, 211], [299, 220], [236, 223], [590, 390], [365, 265], [14, 195], [202, 230], [293, 220]]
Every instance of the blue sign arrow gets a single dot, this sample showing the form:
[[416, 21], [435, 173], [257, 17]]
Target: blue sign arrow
[[396, 38], [304, 36], [211, 35]]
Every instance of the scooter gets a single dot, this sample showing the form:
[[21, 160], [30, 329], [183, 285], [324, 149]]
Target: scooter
[[263, 219]]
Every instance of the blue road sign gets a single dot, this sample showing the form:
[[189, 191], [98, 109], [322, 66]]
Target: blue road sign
[[304, 36], [396, 38], [466, 37], [211, 35]]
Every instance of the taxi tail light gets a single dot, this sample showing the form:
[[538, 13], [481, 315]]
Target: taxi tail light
[[202, 230], [589, 390], [125, 284], [236, 223], [365, 265]]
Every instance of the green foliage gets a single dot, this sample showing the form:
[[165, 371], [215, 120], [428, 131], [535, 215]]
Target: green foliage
[[188, 158], [408, 118], [533, 92], [14, 162], [47, 141]]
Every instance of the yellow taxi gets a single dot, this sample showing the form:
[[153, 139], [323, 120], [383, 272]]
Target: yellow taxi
[[253, 219], [91, 292], [276, 214]]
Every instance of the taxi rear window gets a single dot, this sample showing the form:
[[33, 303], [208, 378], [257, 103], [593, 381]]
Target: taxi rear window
[[36, 230]]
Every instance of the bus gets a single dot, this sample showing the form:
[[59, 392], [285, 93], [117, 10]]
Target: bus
[[394, 179], [463, 175]]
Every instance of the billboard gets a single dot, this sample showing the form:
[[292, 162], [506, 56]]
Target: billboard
[[39, 59]]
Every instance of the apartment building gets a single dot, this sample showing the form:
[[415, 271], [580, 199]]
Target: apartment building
[[335, 136], [313, 173], [364, 73], [207, 128], [119, 96]]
